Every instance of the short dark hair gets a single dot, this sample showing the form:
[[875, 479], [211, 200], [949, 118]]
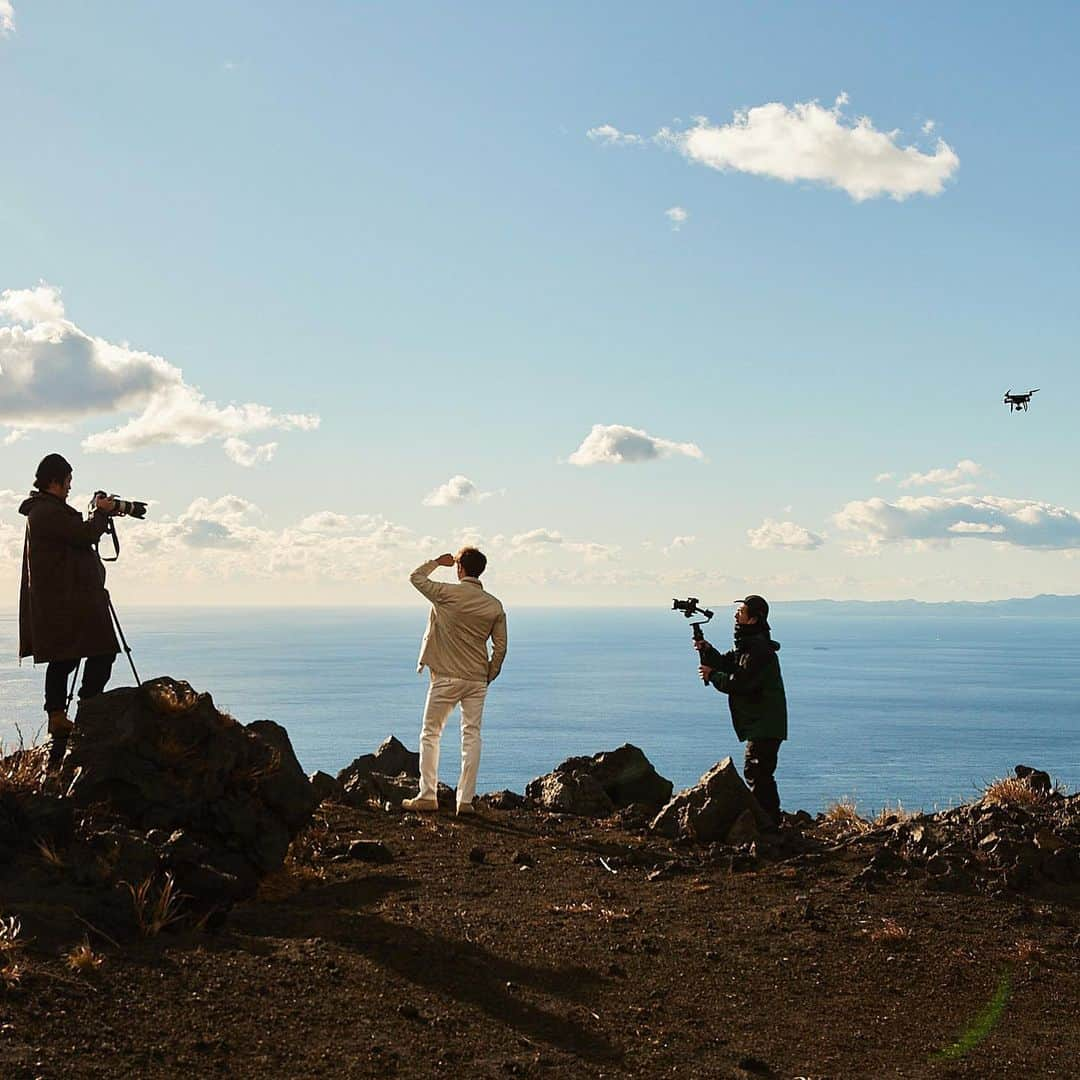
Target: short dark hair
[[473, 561], [53, 469]]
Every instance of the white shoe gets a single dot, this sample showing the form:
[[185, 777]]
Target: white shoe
[[426, 805], [466, 810]]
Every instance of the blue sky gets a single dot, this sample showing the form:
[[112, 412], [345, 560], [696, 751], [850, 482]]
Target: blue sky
[[392, 218]]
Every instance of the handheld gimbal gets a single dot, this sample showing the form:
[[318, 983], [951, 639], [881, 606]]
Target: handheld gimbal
[[689, 608]]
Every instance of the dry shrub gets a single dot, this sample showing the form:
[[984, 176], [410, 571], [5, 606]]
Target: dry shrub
[[155, 909], [890, 931], [843, 813], [83, 960], [1012, 791], [11, 947]]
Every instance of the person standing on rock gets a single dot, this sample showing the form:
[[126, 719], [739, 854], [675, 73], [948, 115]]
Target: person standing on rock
[[63, 606], [463, 618], [750, 676]]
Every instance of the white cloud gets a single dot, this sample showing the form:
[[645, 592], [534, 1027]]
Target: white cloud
[[325, 521], [458, 489], [7, 17], [937, 519], [12, 437], [678, 216], [784, 534], [537, 538], [243, 453], [928, 127], [53, 374], [883, 477], [959, 474], [679, 543], [807, 141], [612, 136], [616, 444]]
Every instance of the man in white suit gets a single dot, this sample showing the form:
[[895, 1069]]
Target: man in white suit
[[463, 618]]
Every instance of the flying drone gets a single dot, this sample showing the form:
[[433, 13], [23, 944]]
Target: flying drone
[[1016, 402]]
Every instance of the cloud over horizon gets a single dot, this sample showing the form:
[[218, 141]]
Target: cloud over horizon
[[951, 479], [53, 374], [7, 18], [939, 520], [457, 490], [784, 534], [809, 142], [617, 444]]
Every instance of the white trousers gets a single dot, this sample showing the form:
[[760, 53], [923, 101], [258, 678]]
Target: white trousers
[[444, 694]]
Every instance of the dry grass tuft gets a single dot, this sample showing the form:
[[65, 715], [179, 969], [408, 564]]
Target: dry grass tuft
[[1012, 791], [21, 767], [891, 931], [155, 910], [49, 854], [83, 960], [843, 813], [11, 947], [891, 815]]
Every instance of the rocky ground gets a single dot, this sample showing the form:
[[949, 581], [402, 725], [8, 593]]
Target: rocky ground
[[523, 942]]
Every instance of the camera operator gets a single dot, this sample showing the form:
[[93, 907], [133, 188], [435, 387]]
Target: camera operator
[[63, 606], [750, 676]]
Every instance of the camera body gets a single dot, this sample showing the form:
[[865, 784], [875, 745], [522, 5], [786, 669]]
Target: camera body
[[689, 608], [124, 507]]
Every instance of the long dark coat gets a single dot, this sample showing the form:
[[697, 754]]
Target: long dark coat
[[63, 605], [750, 676]]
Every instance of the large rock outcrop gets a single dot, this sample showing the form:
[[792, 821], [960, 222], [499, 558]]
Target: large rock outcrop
[[718, 808], [597, 786], [213, 801]]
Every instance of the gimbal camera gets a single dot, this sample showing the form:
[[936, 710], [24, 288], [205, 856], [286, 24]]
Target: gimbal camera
[[689, 608]]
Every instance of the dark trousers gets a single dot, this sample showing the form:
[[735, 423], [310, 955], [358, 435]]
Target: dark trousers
[[759, 765], [96, 674]]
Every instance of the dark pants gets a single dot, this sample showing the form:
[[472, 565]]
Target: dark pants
[[96, 674], [759, 765]]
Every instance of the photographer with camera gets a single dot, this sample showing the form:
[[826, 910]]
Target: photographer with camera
[[750, 676], [64, 613]]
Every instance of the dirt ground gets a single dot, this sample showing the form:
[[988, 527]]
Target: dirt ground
[[524, 944]]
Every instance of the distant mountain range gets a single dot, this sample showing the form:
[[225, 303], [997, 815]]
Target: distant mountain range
[[1044, 604]]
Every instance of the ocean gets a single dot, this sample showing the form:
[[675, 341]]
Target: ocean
[[883, 710]]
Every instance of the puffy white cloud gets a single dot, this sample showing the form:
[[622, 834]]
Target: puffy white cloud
[[939, 519], [883, 477], [53, 374], [784, 534], [458, 489], [807, 141], [960, 474], [678, 216], [610, 135], [615, 444], [7, 17]]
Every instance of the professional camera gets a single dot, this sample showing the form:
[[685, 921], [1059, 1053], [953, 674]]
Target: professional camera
[[689, 608], [124, 507]]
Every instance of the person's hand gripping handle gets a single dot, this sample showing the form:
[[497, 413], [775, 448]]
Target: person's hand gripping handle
[[700, 643]]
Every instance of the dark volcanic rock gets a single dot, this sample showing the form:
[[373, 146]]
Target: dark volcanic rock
[[1035, 778], [326, 787], [163, 757], [598, 785], [707, 811], [392, 758]]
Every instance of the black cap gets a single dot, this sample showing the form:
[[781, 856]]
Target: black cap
[[53, 469], [758, 606]]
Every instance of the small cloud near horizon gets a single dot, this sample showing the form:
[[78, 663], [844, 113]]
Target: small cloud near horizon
[[678, 216], [617, 444], [7, 18], [457, 490], [784, 534]]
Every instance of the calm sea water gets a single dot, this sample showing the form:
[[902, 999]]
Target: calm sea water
[[920, 711]]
